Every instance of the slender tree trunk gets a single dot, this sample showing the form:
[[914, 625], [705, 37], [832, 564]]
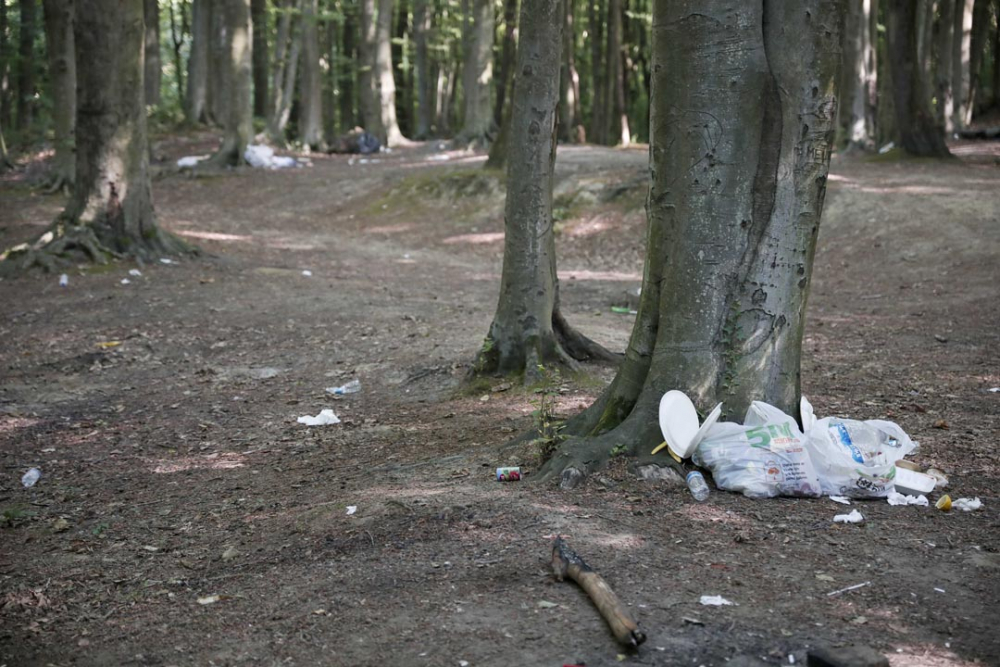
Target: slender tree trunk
[[598, 120], [569, 97], [422, 69], [402, 72], [614, 100], [279, 68], [919, 132], [177, 33], [310, 91], [110, 211], [258, 15], [477, 76], [980, 31], [5, 163], [237, 80], [731, 239], [154, 70], [384, 81], [508, 55], [858, 83], [445, 96], [284, 89], [348, 116], [201, 37], [996, 57], [331, 47], [62, 79], [5, 59], [944, 30], [960, 61], [26, 64], [368, 94]]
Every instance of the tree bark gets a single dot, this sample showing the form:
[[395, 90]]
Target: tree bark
[[348, 116], [421, 27], [919, 132], [368, 94], [196, 106], [598, 121], [614, 100], [110, 211], [996, 57], [26, 65], [289, 45], [960, 62], [859, 78], [217, 98], [508, 55], [177, 33], [944, 30], [569, 97], [261, 76], [310, 91], [154, 70], [62, 79], [477, 76], [237, 78], [5, 60], [385, 83], [739, 155], [980, 31]]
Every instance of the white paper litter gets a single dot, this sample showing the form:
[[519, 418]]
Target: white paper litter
[[995, 390], [899, 499], [967, 504], [263, 157], [853, 517], [166, 260], [125, 281], [190, 161], [351, 509], [324, 418], [715, 601], [135, 272], [840, 499], [63, 280], [307, 273]]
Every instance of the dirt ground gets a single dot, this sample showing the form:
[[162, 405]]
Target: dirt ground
[[183, 517]]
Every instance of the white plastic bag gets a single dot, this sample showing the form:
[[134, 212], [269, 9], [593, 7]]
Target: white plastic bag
[[857, 459], [763, 458]]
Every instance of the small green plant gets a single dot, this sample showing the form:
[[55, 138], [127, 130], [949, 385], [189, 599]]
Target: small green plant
[[619, 450], [544, 402], [12, 515]]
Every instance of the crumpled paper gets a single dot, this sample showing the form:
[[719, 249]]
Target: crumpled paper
[[324, 418]]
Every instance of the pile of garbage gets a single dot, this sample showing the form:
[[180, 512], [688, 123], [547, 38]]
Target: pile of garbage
[[770, 455]]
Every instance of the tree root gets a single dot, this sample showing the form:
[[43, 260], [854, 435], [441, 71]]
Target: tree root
[[58, 183], [579, 346]]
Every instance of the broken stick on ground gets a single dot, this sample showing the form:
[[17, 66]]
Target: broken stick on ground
[[566, 563]]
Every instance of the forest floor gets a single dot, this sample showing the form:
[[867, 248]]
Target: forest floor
[[184, 517]]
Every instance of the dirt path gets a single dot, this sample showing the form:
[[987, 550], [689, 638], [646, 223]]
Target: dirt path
[[179, 471]]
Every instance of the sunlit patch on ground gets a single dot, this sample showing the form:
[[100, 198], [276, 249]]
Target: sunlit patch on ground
[[928, 655], [475, 239], [226, 461], [10, 424]]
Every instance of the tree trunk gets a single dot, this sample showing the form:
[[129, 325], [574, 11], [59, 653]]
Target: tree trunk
[[598, 120], [285, 70], [944, 30], [421, 27], [925, 28], [402, 71], [385, 83], [196, 108], [445, 96], [331, 47], [26, 65], [310, 90], [614, 100], [527, 329], [996, 57], [859, 78], [261, 76], [919, 133], [569, 96], [508, 55], [960, 61], [348, 116], [5, 60], [154, 70], [368, 94], [111, 209], [980, 31], [739, 155], [177, 33], [477, 76], [62, 79], [237, 78]]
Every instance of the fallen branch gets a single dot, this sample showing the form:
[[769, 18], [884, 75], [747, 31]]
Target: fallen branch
[[565, 563]]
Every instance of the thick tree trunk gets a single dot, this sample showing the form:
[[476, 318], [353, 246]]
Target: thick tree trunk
[[980, 31], [996, 57], [196, 107], [960, 61], [261, 76], [111, 209], [237, 78], [527, 329], [177, 33], [508, 56], [26, 64], [422, 69], [859, 78], [477, 76], [368, 94], [919, 133], [569, 96], [217, 96], [310, 90], [598, 120], [739, 155], [944, 30], [926, 10], [614, 100], [385, 83], [62, 79], [154, 70]]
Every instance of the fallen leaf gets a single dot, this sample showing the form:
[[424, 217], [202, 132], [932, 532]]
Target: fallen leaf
[[940, 423], [109, 344], [60, 525], [230, 553], [545, 604], [210, 599], [825, 577]]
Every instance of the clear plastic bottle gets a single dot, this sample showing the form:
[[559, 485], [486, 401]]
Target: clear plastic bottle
[[866, 445], [30, 477], [350, 388], [698, 486]]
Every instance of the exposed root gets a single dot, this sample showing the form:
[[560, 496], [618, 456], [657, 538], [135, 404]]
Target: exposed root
[[58, 183], [579, 346]]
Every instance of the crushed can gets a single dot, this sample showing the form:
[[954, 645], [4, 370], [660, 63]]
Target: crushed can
[[509, 474]]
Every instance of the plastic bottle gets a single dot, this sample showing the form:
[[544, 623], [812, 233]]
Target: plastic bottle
[[698, 486], [867, 445], [350, 388], [30, 477]]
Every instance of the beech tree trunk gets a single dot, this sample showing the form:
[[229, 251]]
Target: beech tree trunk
[[261, 76], [996, 57], [288, 45], [859, 83], [919, 131], [508, 56], [385, 83], [477, 76], [110, 211], [237, 78], [422, 69], [368, 94], [196, 108], [960, 63], [980, 31], [614, 100], [154, 70], [177, 33], [26, 64], [348, 116], [62, 80], [569, 98], [5, 59], [944, 30], [739, 155], [598, 120], [528, 329], [310, 90], [217, 97]]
